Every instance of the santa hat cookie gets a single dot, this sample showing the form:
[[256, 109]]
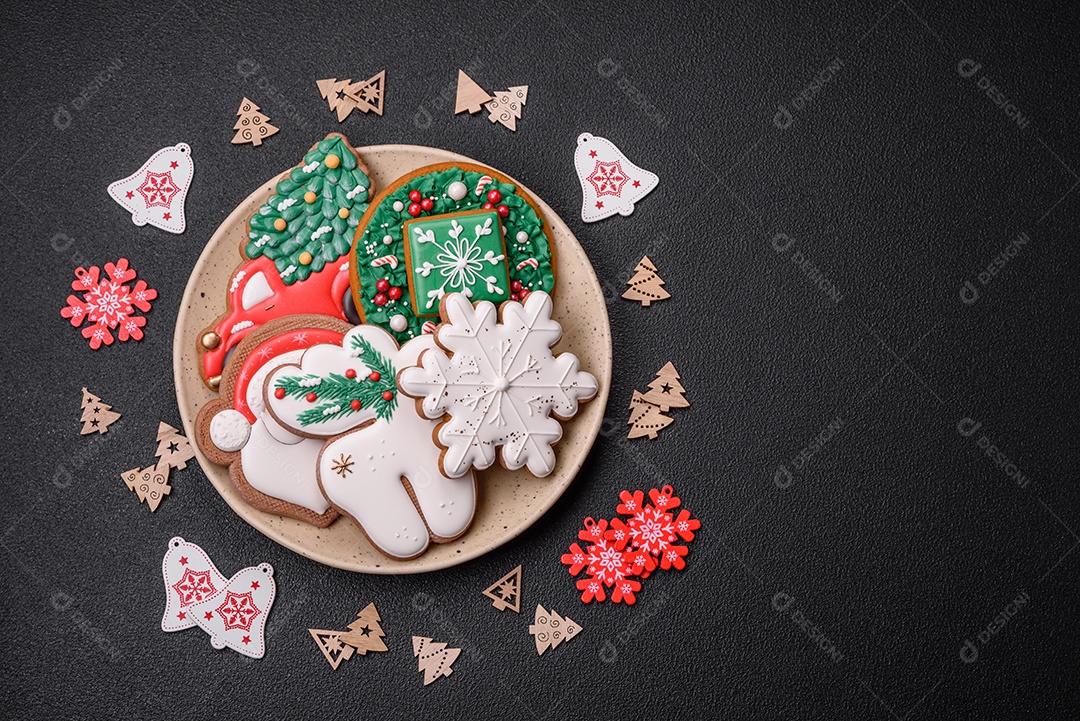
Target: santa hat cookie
[[273, 468]]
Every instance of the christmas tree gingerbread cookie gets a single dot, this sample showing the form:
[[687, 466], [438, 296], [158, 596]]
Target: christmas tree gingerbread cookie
[[496, 380], [447, 228], [294, 251], [273, 468], [380, 464]]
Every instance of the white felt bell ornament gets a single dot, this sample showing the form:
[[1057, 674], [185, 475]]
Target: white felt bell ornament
[[154, 194], [610, 183], [235, 617]]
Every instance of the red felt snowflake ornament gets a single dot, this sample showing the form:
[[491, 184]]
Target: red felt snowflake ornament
[[108, 304]]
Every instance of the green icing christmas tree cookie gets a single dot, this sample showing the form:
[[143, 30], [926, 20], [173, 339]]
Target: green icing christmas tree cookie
[[312, 216], [469, 231]]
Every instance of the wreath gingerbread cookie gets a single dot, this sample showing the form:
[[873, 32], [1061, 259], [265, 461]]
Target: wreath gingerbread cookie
[[447, 228], [273, 468], [295, 251], [380, 463], [497, 383]]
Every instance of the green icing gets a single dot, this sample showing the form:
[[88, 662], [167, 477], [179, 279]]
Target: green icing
[[386, 224], [314, 228], [457, 254]]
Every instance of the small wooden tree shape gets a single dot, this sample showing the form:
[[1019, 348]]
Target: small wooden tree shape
[[506, 592], [645, 418], [470, 96], [333, 91], [149, 484], [368, 95], [251, 126], [507, 105], [96, 416], [365, 634], [666, 391], [173, 449], [549, 629], [329, 642], [434, 658], [646, 286]]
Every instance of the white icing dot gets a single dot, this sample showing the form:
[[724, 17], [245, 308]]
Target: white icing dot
[[457, 190], [398, 206], [398, 323], [522, 237], [387, 240], [229, 430]]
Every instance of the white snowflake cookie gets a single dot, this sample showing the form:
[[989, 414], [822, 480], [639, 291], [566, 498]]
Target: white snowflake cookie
[[498, 384], [379, 464]]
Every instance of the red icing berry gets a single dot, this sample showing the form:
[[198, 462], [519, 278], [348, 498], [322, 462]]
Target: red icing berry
[[388, 395], [525, 293], [415, 209], [279, 393], [515, 296], [515, 285], [503, 211], [414, 196], [311, 397], [487, 206], [382, 285], [494, 196], [351, 373], [374, 376], [355, 405], [379, 299], [394, 292], [427, 203]]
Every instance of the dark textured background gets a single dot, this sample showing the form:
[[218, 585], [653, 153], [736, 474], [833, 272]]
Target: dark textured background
[[899, 180]]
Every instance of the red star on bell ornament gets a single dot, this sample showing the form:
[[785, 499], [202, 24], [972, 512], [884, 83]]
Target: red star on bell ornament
[[173, 164], [246, 640], [183, 560], [166, 216], [254, 584]]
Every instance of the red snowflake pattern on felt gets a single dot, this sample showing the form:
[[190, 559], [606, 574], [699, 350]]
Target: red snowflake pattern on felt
[[620, 554], [108, 304], [238, 610], [194, 587]]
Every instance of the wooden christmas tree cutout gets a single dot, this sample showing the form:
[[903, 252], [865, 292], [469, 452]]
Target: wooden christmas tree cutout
[[549, 629], [645, 418], [434, 658], [345, 96], [506, 107], [365, 634], [666, 391], [329, 642], [470, 96], [251, 126], [506, 592], [149, 484], [173, 448], [96, 416], [646, 285], [368, 95]]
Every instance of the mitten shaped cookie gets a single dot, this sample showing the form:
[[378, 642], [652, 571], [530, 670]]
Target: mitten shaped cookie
[[380, 465]]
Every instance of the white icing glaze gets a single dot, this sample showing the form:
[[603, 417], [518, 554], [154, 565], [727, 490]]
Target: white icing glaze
[[254, 397], [229, 430], [456, 190], [256, 291], [285, 471], [381, 454], [502, 385], [398, 323]]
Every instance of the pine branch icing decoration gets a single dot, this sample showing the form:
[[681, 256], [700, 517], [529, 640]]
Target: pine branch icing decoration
[[336, 395]]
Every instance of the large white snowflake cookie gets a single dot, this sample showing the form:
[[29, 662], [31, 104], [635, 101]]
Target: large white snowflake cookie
[[498, 384], [379, 464]]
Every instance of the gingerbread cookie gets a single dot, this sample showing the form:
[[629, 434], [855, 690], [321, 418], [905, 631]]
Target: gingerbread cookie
[[273, 468], [498, 384], [380, 464], [295, 251], [450, 227]]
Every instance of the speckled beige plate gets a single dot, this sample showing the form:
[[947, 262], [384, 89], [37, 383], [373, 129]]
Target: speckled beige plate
[[509, 501]]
